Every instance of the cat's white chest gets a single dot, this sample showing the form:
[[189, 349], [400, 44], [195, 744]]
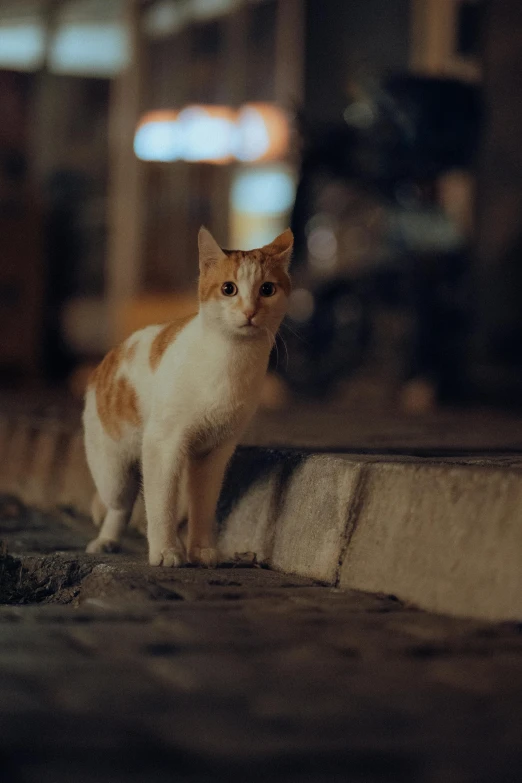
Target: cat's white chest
[[221, 407], [208, 388]]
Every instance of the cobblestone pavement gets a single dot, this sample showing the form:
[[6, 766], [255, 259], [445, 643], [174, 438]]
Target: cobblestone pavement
[[113, 671]]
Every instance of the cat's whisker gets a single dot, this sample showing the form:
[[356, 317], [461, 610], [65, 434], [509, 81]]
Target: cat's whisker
[[292, 331], [274, 337], [272, 342], [286, 350], [270, 335]]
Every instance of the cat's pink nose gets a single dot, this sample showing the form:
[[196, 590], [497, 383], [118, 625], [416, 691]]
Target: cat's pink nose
[[249, 314]]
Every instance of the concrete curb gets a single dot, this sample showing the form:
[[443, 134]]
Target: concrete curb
[[446, 537], [443, 535]]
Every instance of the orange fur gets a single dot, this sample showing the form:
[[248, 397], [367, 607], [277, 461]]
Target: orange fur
[[214, 275], [281, 244], [275, 270], [176, 399], [125, 403], [116, 400], [272, 254], [131, 351], [164, 338]]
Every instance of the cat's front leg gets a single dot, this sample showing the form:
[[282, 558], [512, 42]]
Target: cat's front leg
[[162, 474], [205, 478]]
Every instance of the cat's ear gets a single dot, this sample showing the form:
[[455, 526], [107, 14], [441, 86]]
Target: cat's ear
[[209, 251], [281, 248]]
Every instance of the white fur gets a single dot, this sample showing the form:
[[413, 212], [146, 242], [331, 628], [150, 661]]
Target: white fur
[[194, 408]]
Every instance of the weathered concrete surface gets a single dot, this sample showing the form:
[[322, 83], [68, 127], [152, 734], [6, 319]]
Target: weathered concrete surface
[[444, 536], [294, 514], [448, 538], [114, 671], [443, 531]]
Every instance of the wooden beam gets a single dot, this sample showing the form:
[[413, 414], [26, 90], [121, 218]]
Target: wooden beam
[[290, 53], [126, 177], [433, 41]]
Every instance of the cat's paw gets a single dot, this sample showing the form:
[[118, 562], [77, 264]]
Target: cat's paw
[[203, 556], [169, 558], [102, 545]]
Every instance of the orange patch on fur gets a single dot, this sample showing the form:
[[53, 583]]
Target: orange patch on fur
[[275, 270], [164, 338], [276, 257], [125, 402], [116, 399], [131, 351], [213, 276], [106, 370]]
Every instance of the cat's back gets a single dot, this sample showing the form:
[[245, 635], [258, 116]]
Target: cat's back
[[115, 392], [121, 389]]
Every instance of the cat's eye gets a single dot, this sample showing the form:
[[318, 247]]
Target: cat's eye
[[229, 289], [267, 289]]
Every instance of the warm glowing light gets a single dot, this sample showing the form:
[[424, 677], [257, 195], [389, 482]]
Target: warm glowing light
[[208, 133], [158, 137], [266, 191], [261, 198], [263, 132], [253, 140], [78, 45], [213, 134], [22, 45], [160, 115], [90, 49]]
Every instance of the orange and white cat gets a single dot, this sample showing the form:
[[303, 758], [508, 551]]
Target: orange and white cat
[[176, 398]]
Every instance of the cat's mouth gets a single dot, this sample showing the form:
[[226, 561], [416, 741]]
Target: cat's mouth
[[249, 328]]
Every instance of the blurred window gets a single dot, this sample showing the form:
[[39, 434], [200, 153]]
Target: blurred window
[[22, 45], [261, 198], [89, 49], [88, 37]]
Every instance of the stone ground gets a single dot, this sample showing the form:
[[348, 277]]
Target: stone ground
[[113, 671]]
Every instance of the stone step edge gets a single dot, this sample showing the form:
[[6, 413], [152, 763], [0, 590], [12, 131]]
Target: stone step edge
[[444, 536]]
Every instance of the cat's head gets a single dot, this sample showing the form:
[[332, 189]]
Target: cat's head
[[245, 292]]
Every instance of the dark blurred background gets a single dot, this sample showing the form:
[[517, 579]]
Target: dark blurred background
[[385, 132]]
